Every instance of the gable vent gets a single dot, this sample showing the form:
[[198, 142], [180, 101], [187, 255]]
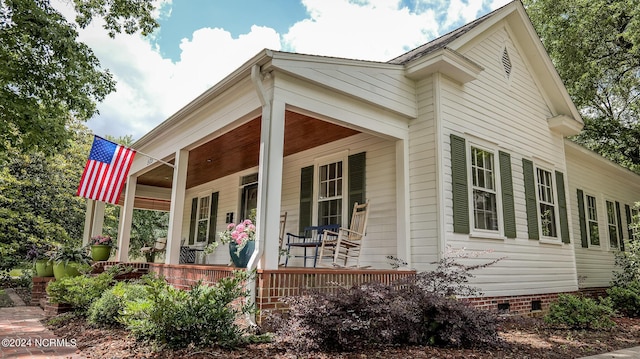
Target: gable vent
[[506, 62]]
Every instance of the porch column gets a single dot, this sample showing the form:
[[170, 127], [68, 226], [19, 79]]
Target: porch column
[[270, 183], [403, 201], [93, 220], [126, 217], [176, 211]]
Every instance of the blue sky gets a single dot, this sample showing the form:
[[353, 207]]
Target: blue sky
[[202, 41]]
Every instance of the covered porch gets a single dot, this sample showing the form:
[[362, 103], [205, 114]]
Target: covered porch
[[249, 143]]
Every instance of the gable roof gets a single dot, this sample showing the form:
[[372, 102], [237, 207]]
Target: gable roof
[[513, 14]]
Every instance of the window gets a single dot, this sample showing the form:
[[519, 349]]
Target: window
[[330, 188], [204, 209], [484, 195], [592, 221], [546, 204], [612, 224]]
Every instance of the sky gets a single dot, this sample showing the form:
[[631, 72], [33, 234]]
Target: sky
[[199, 42]]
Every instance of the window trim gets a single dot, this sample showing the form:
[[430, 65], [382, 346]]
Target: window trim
[[198, 219], [494, 150], [556, 206], [342, 156], [615, 223], [587, 220]]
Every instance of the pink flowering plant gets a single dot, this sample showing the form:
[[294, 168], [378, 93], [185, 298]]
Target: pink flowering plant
[[102, 240], [239, 234]]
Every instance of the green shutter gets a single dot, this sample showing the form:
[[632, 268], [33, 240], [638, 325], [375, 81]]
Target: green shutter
[[530, 197], [192, 224], [357, 179], [620, 235], [583, 221], [627, 211], [508, 206], [306, 198], [459, 185], [213, 217], [562, 208]]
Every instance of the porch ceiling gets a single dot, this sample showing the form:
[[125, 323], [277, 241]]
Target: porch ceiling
[[239, 149]]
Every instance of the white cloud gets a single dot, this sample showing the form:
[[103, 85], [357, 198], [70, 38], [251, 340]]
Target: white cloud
[[151, 88], [376, 30]]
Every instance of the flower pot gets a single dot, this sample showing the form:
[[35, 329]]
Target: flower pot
[[100, 252], [61, 270], [44, 268], [241, 259]]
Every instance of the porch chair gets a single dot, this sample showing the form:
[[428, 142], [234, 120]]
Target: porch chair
[[311, 238], [283, 223], [159, 246], [345, 243]]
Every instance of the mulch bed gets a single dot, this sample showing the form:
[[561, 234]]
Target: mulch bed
[[523, 338]]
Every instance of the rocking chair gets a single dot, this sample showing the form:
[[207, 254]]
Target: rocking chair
[[346, 243]]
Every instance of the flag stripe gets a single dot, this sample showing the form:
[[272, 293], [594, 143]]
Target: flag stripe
[[104, 181]]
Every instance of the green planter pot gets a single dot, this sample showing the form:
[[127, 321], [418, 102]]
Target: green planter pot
[[100, 252], [241, 259], [61, 270], [44, 268]]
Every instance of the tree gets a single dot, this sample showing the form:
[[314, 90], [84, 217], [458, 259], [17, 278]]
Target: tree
[[37, 198], [595, 46], [48, 77]]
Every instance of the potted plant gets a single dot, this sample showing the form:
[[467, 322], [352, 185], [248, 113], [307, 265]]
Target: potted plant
[[39, 254], [241, 238], [101, 247], [68, 261]]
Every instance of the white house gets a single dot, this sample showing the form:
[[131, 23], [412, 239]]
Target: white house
[[459, 142]]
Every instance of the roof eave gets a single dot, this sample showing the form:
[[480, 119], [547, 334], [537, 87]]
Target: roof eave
[[445, 61]]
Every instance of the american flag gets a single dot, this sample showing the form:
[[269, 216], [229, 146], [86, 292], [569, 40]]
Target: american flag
[[106, 171]]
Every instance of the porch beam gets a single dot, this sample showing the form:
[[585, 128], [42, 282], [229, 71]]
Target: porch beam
[[176, 211], [126, 218]]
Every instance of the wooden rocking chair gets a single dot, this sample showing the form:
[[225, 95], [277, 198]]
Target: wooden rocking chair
[[345, 244]]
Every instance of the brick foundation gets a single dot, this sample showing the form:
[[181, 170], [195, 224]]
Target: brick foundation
[[38, 290]]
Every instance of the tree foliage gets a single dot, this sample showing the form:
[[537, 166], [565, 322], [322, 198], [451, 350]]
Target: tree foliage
[[37, 198], [48, 77], [595, 46]]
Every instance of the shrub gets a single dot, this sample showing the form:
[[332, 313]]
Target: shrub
[[80, 291], [628, 262], [577, 312], [626, 298], [201, 316], [421, 310], [105, 311]]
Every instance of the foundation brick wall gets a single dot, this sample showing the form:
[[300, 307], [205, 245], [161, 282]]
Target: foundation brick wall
[[39, 289]]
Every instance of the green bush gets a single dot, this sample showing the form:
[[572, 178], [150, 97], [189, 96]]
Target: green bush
[[577, 312], [106, 310], [202, 316], [80, 291], [626, 298]]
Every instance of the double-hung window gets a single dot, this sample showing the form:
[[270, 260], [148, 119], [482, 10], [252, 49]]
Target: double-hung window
[[330, 189], [592, 221], [204, 210], [484, 192], [612, 224], [546, 203]]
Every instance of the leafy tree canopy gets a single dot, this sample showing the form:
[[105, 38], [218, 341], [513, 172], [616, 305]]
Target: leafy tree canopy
[[595, 46], [37, 198], [47, 76]]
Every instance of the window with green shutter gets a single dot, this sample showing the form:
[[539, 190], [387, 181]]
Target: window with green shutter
[[508, 205], [562, 208]]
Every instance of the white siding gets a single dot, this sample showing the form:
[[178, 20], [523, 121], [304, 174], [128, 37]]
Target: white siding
[[605, 181], [380, 240], [510, 114]]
